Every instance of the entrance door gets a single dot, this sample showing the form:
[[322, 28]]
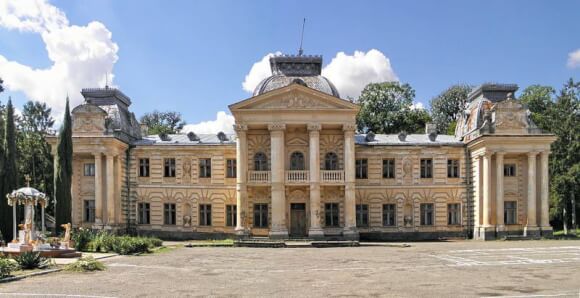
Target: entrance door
[[298, 220]]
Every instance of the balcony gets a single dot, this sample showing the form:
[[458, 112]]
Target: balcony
[[331, 177], [297, 177], [259, 177]]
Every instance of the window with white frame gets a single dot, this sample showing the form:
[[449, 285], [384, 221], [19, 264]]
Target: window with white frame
[[89, 169], [454, 214], [510, 212], [144, 212], [452, 168], [389, 215], [427, 214], [426, 168]]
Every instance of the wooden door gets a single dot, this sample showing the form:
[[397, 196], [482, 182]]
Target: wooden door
[[298, 220]]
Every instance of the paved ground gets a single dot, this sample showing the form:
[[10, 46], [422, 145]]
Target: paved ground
[[466, 268]]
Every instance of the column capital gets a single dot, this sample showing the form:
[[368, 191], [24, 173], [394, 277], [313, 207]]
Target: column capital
[[487, 154], [314, 126], [276, 126], [532, 154], [499, 153], [546, 153], [98, 154], [349, 127], [239, 127]]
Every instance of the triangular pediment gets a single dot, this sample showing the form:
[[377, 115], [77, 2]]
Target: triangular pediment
[[293, 97]]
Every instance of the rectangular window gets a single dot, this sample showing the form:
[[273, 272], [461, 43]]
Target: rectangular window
[[144, 213], [169, 167], [426, 214], [261, 215], [231, 218], [510, 212], [361, 168], [509, 170], [389, 215], [231, 168], [205, 168], [452, 168], [143, 167], [454, 214], [205, 214], [89, 207], [331, 214], [388, 168], [426, 168], [89, 169], [169, 217], [362, 215]]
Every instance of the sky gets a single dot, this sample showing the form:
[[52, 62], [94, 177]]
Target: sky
[[197, 57]]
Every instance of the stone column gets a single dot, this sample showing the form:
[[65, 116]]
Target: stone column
[[98, 190], [14, 224], [110, 189], [531, 228], [315, 230], [545, 196], [241, 175], [278, 228], [487, 230], [350, 231], [499, 193]]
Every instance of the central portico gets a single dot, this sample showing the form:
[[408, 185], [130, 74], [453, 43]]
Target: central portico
[[295, 152]]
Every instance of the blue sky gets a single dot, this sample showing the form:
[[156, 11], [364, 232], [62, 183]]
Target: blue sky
[[193, 56]]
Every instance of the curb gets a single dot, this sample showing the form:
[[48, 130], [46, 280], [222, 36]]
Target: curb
[[14, 278]]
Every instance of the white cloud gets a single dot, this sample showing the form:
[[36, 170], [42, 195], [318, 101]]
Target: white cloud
[[81, 56], [259, 71], [417, 106], [349, 73], [574, 59], [223, 122]]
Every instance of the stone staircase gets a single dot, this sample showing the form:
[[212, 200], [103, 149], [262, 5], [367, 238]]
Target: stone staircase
[[262, 242]]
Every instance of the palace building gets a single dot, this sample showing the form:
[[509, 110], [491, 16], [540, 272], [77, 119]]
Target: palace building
[[296, 167]]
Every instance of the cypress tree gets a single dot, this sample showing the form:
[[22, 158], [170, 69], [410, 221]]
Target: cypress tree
[[63, 171], [9, 173]]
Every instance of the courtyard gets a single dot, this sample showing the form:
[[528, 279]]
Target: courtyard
[[427, 269]]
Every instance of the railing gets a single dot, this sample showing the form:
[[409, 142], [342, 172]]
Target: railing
[[331, 177], [297, 177], [259, 177]]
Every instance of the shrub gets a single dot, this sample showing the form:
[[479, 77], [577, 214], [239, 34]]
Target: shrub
[[85, 264], [6, 267], [82, 238], [31, 260]]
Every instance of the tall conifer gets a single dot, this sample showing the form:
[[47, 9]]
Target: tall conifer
[[63, 171], [9, 171]]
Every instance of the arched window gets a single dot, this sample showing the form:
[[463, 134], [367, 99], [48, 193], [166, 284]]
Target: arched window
[[331, 161], [260, 162], [297, 161]]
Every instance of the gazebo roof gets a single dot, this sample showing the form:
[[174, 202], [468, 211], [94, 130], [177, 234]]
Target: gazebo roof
[[26, 195]]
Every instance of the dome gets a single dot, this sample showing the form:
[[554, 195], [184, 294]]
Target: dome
[[303, 70]]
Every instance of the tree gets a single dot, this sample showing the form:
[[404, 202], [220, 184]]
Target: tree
[[163, 122], [63, 171], [8, 168], [448, 106], [34, 152], [388, 108], [564, 122], [540, 101]]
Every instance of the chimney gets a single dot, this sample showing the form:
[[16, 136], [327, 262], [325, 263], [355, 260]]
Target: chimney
[[431, 131], [144, 129]]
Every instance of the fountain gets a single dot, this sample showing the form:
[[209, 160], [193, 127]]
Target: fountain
[[26, 237]]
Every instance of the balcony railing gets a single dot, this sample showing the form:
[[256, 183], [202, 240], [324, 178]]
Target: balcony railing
[[331, 177], [297, 177], [259, 177]]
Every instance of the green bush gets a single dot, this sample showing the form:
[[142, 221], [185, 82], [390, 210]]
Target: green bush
[[6, 267], [85, 264], [105, 241], [82, 238], [31, 260]]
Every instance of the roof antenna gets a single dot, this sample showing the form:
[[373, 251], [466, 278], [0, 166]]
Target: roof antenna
[[106, 80], [301, 51]]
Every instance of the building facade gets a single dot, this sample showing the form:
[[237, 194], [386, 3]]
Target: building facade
[[296, 167]]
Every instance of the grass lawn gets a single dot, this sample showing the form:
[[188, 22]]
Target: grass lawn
[[560, 233]]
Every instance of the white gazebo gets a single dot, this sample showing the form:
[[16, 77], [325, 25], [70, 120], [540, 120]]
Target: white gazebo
[[28, 197]]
